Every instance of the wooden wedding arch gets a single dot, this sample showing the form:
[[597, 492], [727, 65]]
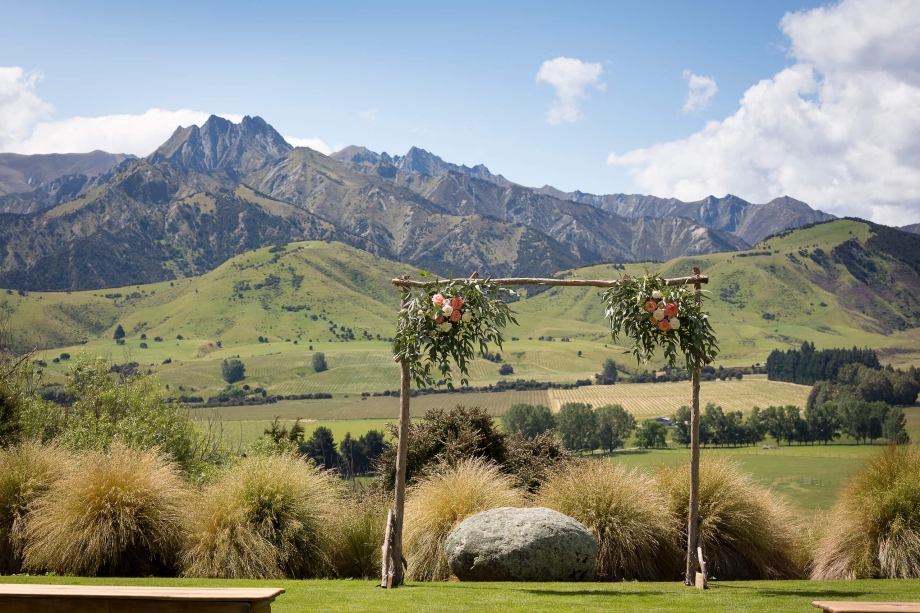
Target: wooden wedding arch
[[393, 559]]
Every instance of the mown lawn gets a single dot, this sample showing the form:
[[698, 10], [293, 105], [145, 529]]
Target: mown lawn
[[727, 597]]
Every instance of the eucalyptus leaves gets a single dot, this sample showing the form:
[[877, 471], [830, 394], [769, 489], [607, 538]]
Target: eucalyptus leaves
[[654, 315], [443, 322]]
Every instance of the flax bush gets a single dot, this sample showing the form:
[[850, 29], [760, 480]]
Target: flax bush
[[267, 517], [115, 513], [26, 473], [436, 504], [873, 531], [626, 511], [747, 532]]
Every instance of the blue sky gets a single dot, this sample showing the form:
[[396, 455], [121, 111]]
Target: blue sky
[[457, 79]]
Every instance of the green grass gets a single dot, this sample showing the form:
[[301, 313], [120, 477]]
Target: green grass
[[722, 597]]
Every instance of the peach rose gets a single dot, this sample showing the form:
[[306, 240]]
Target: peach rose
[[671, 309], [439, 320], [455, 316], [663, 325], [650, 306], [456, 302], [437, 299]]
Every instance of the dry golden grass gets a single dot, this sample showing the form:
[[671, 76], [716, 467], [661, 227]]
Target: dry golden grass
[[117, 514], [626, 511], [873, 531], [27, 471], [440, 501], [267, 517], [747, 532], [357, 533]]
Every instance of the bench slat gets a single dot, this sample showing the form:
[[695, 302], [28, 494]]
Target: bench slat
[[214, 594], [867, 607]]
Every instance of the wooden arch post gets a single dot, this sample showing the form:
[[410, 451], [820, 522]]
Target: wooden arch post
[[393, 574]]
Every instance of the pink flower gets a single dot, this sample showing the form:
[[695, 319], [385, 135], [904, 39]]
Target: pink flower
[[455, 316], [437, 299], [456, 302], [663, 325], [439, 320], [650, 306], [671, 309]]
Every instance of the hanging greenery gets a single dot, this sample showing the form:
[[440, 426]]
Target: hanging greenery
[[653, 315], [443, 323]]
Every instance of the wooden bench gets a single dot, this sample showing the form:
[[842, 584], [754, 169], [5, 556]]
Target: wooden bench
[[30, 598], [867, 607]]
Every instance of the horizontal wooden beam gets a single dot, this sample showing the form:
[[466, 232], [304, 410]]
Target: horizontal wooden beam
[[405, 282]]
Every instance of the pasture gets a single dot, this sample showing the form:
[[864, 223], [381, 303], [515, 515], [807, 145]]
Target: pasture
[[331, 596]]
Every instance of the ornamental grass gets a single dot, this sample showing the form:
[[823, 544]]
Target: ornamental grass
[[873, 530], [747, 532], [436, 504], [267, 517], [625, 510], [357, 532], [27, 471], [115, 513]]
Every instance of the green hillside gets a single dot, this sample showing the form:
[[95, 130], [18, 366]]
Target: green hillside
[[338, 300]]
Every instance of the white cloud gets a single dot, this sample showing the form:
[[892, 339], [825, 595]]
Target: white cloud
[[570, 78], [20, 108], [700, 91], [839, 129], [369, 114], [313, 143]]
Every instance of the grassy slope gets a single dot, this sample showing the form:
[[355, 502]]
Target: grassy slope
[[722, 597]]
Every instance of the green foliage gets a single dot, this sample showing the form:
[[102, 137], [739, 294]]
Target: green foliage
[[577, 426], [357, 456], [111, 513], [627, 513], [874, 528], [266, 517], [527, 419], [277, 439], [429, 335], [119, 332], [652, 435], [608, 374], [321, 448], [807, 365], [681, 422], [232, 370], [614, 426], [633, 306], [319, 362]]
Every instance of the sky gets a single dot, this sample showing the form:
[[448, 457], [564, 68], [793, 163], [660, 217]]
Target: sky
[[818, 101]]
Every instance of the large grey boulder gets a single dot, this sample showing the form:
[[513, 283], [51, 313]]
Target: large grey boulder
[[509, 544]]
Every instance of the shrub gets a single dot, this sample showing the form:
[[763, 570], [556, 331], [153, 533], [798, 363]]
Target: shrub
[[747, 532], [627, 513], [531, 421], [359, 528], [114, 514], [26, 473], [232, 370], [614, 426], [506, 369], [531, 460], [874, 528], [265, 518], [319, 362], [439, 502], [577, 425]]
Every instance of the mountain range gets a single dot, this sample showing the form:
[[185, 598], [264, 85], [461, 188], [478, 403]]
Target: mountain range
[[212, 192]]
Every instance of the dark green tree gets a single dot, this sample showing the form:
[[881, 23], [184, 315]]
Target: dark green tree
[[651, 435], [119, 332], [321, 448], [577, 426], [823, 422], [608, 375], [233, 370], [319, 362], [681, 422], [531, 421], [614, 426]]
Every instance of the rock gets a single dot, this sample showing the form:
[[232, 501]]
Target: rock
[[509, 544]]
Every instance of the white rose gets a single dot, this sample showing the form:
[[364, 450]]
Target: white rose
[[657, 296], [658, 314], [675, 323], [445, 327], [447, 310], [467, 317]]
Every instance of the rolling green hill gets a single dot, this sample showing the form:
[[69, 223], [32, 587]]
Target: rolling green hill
[[316, 296]]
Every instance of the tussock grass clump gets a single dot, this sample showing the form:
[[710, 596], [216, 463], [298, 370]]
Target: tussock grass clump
[[115, 514], [747, 532], [626, 511], [873, 531], [436, 504], [358, 531], [27, 471], [267, 517]]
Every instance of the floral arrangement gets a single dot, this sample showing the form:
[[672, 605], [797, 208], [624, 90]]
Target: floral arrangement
[[440, 323], [654, 315]]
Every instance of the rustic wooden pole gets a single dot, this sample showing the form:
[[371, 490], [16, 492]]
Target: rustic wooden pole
[[693, 524], [387, 541], [402, 450], [696, 279]]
